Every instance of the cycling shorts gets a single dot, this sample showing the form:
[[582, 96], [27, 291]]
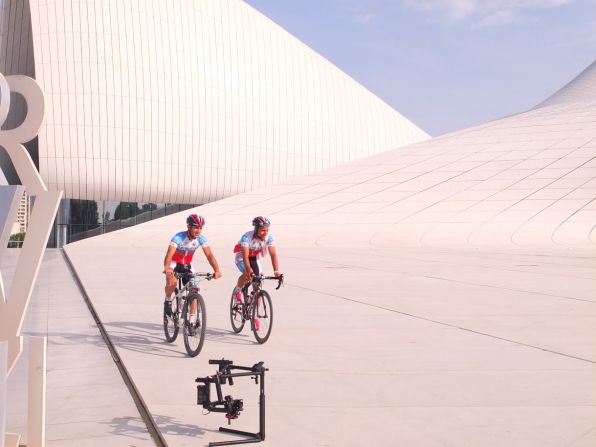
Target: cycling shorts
[[255, 265], [181, 268]]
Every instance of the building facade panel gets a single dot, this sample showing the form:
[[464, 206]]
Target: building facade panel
[[189, 102], [581, 88]]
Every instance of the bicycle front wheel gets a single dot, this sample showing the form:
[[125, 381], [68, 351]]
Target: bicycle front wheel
[[170, 321], [236, 314], [194, 328], [262, 317]]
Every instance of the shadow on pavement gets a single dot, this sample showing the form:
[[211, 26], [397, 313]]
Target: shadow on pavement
[[170, 426], [130, 427], [142, 337], [134, 427]]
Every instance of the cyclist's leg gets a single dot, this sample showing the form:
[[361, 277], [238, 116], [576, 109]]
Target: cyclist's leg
[[170, 283], [187, 268], [255, 265], [243, 278], [169, 289], [256, 268]]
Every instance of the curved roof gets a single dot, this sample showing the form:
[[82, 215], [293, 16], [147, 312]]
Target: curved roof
[[581, 88], [524, 180]]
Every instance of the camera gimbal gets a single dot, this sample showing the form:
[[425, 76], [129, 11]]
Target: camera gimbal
[[228, 405]]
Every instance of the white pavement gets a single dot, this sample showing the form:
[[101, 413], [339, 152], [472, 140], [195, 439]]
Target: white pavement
[[88, 404], [441, 294], [387, 344]]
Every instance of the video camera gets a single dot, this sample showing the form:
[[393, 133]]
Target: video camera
[[232, 407], [227, 404]]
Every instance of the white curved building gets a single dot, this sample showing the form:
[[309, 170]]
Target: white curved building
[[453, 279], [581, 89], [527, 180], [185, 102]]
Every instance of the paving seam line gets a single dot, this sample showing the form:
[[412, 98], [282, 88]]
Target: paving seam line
[[134, 392]]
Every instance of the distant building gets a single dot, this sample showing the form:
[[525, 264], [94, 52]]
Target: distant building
[[20, 225]]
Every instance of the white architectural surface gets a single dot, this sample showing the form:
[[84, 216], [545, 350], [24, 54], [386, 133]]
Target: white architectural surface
[[186, 101], [14, 301], [87, 402], [3, 389], [385, 344], [439, 294], [582, 88]]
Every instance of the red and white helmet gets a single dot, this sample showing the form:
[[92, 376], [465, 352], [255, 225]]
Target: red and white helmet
[[260, 221], [195, 220]]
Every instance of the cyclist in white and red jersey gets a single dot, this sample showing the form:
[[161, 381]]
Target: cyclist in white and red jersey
[[254, 245], [180, 253]]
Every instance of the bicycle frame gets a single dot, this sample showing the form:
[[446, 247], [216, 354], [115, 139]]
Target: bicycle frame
[[244, 311], [192, 285], [187, 312]]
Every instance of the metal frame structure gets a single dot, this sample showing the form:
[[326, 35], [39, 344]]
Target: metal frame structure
[[232, 407]]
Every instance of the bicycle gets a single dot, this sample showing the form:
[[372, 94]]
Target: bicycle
[[184, 295], [256, 307]]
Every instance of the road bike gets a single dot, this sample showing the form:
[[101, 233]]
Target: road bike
[[193, 327], [255, 307]]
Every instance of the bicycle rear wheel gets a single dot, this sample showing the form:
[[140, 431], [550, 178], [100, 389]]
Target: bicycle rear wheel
[[236, 314], [194, 331], [170, 326], [262, 317]]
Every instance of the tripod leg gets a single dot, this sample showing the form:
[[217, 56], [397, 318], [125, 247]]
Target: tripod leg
[[255, 437], [262, 408]]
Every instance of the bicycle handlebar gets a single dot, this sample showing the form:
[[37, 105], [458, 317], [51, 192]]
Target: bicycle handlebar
[[207, 276], [280, 279]]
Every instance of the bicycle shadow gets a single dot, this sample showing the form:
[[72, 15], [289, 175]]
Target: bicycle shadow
[[69, 338], [146, 338], [228, 336]]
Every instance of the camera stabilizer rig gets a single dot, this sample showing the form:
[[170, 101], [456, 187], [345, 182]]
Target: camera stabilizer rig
[[232, 407]]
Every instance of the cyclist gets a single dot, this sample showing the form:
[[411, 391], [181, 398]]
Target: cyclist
[[252, 246], [179, 257]]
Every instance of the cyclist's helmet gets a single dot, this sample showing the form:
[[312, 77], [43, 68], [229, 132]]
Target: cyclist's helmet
[[260, 221], [195, 221]]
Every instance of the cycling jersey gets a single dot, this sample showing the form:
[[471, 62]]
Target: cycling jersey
[[256, 247], [185, 247]]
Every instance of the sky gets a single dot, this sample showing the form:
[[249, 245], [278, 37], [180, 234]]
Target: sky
[[448, 64]]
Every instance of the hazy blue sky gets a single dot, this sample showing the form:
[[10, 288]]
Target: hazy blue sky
[[448, 64]]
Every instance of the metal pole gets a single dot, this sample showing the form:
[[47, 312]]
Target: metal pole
[[36, 420], [262, 408], [3, 389]]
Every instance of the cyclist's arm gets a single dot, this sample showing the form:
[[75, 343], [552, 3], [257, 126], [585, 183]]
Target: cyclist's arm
[[244, 251], [212, 261], [168, 260], [274, 262]]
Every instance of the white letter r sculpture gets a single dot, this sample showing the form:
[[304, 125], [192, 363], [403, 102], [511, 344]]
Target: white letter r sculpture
[[14, 302]]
